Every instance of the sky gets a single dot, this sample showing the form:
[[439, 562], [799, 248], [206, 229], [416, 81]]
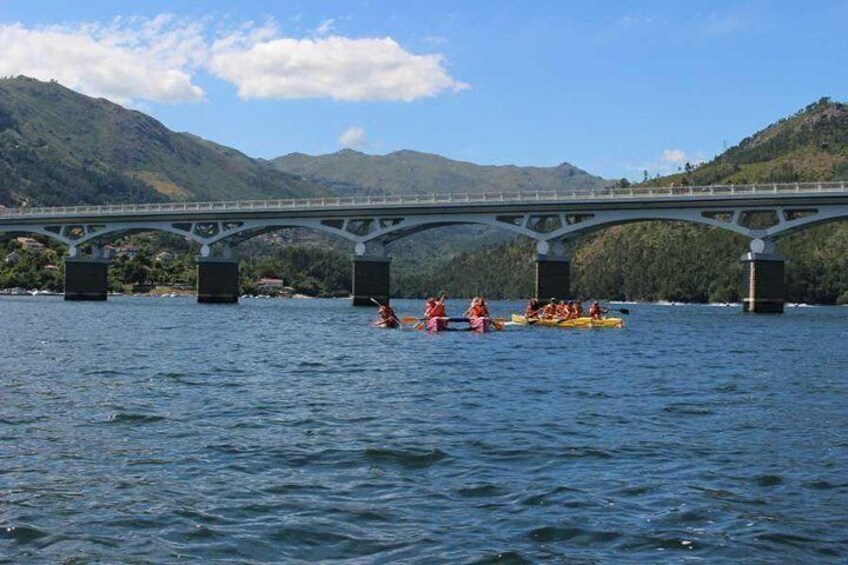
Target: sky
[[615, 88]]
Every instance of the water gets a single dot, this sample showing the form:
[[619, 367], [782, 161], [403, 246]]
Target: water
[[159, 430]]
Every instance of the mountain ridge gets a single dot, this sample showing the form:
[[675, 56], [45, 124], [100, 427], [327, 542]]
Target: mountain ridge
[[408, 171]]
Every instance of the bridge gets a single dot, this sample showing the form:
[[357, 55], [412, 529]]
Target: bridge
[[763, 213]]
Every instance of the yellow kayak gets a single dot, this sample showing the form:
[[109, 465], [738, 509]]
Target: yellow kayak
[[575, 323]]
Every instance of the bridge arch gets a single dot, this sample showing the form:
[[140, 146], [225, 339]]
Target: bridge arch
[[11, 231]]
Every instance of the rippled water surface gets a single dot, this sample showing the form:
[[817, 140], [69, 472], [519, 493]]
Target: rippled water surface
[[159, 430]]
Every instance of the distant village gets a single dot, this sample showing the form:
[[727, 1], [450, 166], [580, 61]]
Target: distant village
[[30, 267]]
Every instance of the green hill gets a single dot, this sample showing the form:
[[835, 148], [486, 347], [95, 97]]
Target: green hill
[[412, 172], [60, 147], [811, 145], [653, 260]]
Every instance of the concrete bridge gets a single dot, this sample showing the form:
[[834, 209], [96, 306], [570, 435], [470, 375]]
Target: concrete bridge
[[763, 213]]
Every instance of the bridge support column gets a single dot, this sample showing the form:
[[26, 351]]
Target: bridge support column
[[370, 280], [553, 277], [86, 278], [553, 270], [217, 280], [763, 284]]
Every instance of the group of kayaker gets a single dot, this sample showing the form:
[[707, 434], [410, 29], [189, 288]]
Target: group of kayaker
[[434, 310], [435, 313], [562, 310]]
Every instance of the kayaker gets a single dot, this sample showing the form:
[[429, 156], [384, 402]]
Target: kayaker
[[483, 308], [533, 308], [435, 308], [386, 317], [478, 309], [569, 310], [549, 311], [562, 310], [578, 309], [596, 312]]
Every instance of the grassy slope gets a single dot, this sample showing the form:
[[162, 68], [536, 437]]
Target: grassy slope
[[50, 135]]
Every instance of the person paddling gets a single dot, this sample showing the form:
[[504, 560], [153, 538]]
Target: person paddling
[[578, 309], [533, 309], [435, 314], [477, 309], [596, 312], [435, 308], [386, 317], [549, 311]]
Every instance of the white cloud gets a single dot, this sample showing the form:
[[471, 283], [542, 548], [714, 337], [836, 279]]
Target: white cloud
[[671, 161], [123, 61], [334, 67], [673, 157], [352, 138], [156, 59]]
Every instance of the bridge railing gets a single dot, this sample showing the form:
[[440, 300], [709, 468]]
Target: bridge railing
[[396, 200]]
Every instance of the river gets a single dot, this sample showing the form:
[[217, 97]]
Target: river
[[159, 430]]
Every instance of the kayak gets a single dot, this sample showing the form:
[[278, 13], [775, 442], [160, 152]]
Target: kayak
[[574, 323], [480, 325], [436, 324]]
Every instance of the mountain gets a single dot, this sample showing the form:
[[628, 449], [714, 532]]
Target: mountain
[[60, 147], [412, 172]]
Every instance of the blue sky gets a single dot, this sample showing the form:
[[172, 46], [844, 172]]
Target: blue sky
[[612, 87]]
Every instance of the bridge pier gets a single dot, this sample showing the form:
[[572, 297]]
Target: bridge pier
[[217, 280], [553, 276], [553, 270], [764, 279], [370, 280], [86, 278]]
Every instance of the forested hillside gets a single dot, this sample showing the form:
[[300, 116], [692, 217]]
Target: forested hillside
[[686, 262]]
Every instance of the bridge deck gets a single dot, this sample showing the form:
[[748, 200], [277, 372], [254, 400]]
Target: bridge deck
[[608, 198]]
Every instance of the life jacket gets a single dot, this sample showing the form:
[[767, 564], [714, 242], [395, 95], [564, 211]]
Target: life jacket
[[479, 311], [435, 311]]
